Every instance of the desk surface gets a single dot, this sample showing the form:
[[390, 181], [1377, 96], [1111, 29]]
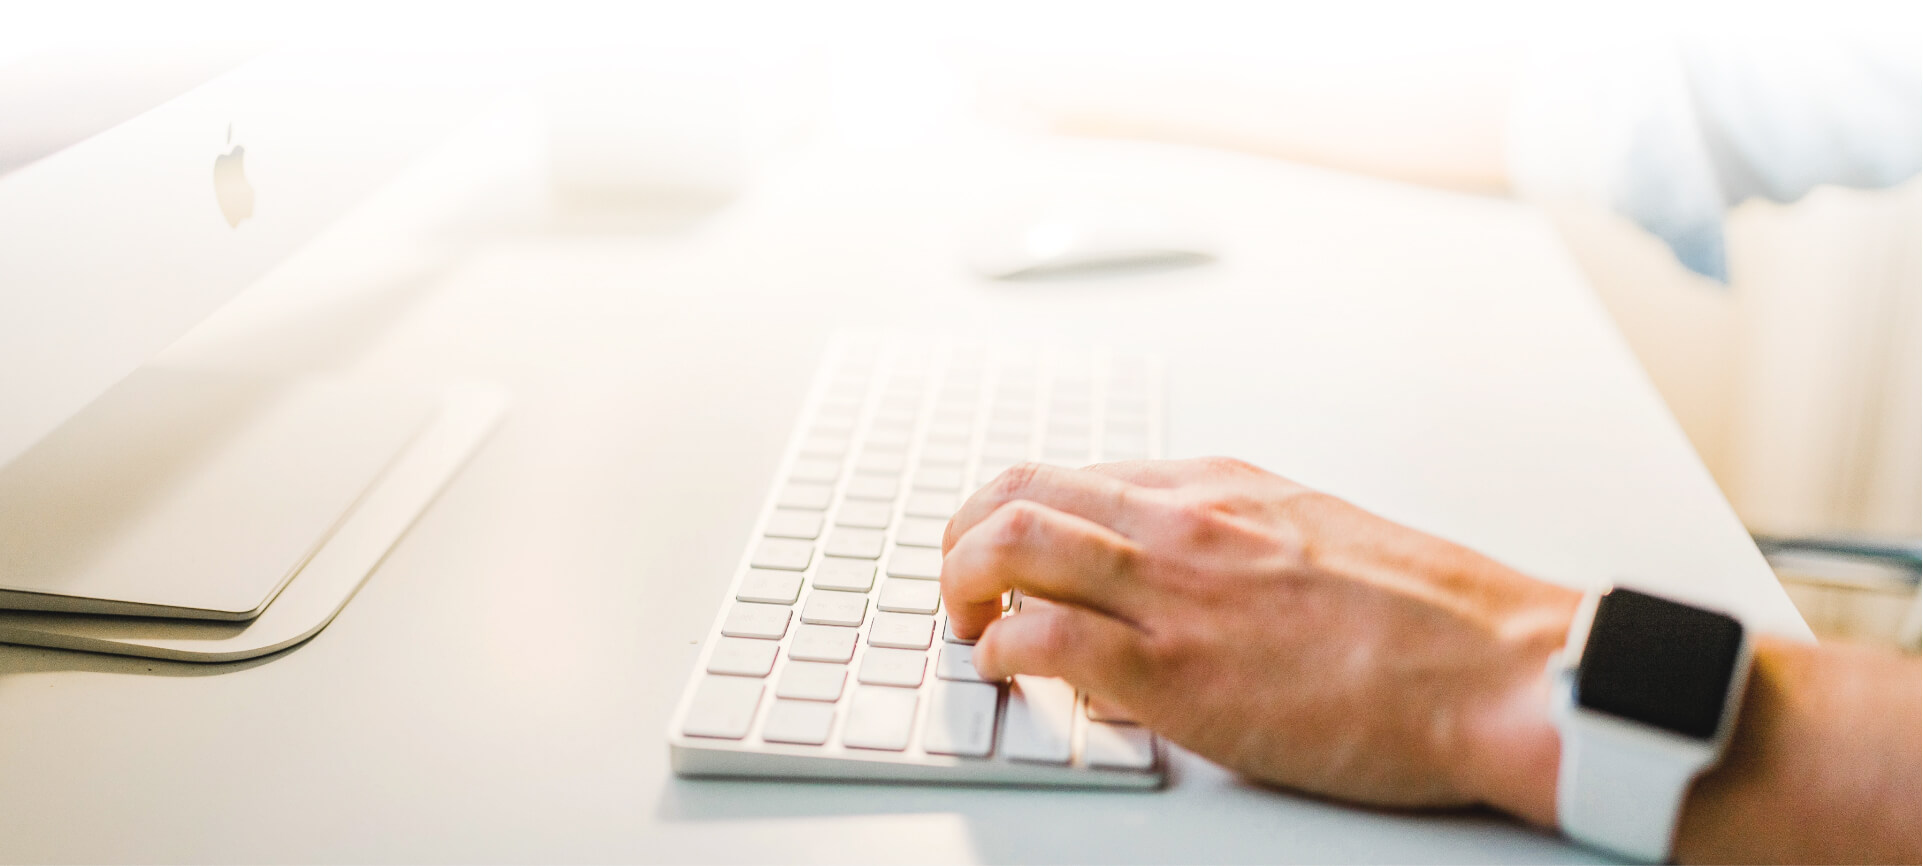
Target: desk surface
[[499, 689]]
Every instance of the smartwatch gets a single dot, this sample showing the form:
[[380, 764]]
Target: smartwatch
[[1644, 697]]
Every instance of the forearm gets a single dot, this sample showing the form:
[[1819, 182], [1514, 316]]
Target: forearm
[[1823, 767]]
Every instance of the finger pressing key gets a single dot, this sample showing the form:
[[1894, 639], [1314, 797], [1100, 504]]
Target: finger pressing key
[[1041, 552], [1097, 653]]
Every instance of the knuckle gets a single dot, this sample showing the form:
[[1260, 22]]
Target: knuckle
[[1017, 480], [1160, 651], [1013, 523], [1194, 517], [1227, 466], [1127, 499], [1054, 636], [1124, 559]]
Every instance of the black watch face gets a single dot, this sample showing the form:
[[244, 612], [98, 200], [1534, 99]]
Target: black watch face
[[1658, 662]]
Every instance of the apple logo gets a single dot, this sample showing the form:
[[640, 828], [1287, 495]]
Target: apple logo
[[236, 195]]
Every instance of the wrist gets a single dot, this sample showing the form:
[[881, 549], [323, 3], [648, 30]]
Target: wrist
[[1515, 748]]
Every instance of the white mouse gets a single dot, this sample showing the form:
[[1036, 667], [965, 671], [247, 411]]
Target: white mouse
[[1085, 240]]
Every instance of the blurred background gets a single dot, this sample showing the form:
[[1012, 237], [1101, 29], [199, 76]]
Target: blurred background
[[1738, 184]]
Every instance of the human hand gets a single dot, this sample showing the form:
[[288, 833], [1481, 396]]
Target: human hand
[[1276, 630]]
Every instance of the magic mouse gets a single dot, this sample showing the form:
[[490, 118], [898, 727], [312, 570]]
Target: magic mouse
[[1085, 240]]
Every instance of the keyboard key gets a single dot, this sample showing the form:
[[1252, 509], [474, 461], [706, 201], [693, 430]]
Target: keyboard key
[[803, 495], [856, 543], [742, 657], [989, 469], [888, 440], [957, 662], [846, 575], [902, 631], [956, 408], [811, 681], [1040, 720], [868, 515], [786, 554], [921, 532], [836, 421], [1014, 408], [917, 562], [881, 463], [948, 635], [831, 447], [723, 707], [1069, 427], [1124, 442], [1015, 396], [1076, 446], [873, 487], [1010, 431], [878, 718], [1005, 451], [909, 596], [931, 504], [1078, 414], [849, 385], [795, 524], [823, 471], [893, 667], [765, 621], [961, 720], [772, 587], [950, 434], [825, 607], [842, 404], [1103, 711], [937, 478], [1120, 747], [804, 722], [944, 454], [822, 643]]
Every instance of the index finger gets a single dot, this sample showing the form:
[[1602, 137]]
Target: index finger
[[1099, 498]]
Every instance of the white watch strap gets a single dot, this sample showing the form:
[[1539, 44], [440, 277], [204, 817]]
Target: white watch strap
[[1618, 793]]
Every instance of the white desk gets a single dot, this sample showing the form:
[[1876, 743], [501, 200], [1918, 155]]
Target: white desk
[[500, 688]]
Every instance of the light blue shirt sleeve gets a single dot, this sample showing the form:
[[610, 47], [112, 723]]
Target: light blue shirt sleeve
[[1678, 131]]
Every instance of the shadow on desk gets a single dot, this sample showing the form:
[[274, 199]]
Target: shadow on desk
[[1213, 817], [15, 659], [742, 799]]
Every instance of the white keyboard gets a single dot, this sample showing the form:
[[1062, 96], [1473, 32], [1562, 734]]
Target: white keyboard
[[831, 657]]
